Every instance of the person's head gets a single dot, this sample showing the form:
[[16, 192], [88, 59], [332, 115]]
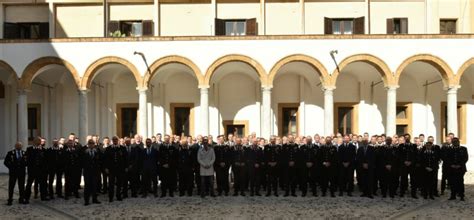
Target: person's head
[[148, 142], [401, 139], [72, 137], [55, 142], [205, 141], [309, 140], [70, 143], [238, 141], [417, 141], [273, 139], [388, 141], [339, 140], [284, 140], [429, 145], [115, 140], [254, 141], [88, 137], [373, 139], [328, 140], [220, 139], [456, 142], [106, 141], [421, 137], [18, 145], [316, 138], [61, 141], [167, 139], [347, 139], [128, 141], [37, 141], [431, 139], [90, 144], [451, 135], [138, 139], [291, 139], [379, 139], [449, 139], [407, 138]]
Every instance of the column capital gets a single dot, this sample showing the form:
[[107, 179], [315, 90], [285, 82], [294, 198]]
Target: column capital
[[452, 89], [328, 88], [204, 90], [392, 87], [267, 88], [203, 87], [83, 91], [22, 91], [142, 89]]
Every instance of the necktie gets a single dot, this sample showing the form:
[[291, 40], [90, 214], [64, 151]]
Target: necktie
[[17, 154], [148, 151]]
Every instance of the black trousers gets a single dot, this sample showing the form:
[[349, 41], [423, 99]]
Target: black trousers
[[197, 178], [429, 180], [131, 181], [290, 175], [456, 181], [328, 179], [404, 172], [346, 178], [444, 178], [115, 183], [239, 178], [39, 176], [272, 179], [103, 181], [207, 185], [185, 181], [254, 175], [149, 178], [72, 176], [58, 175], [90, 184], [168, 180], [366, 177], [308, 176], [389, 182], [222, 178], [15, 177]]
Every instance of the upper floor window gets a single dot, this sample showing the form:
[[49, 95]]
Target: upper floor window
[[344, 25], [235, 27], [22, 30], [397, 26], [447, 26], [130, 28]]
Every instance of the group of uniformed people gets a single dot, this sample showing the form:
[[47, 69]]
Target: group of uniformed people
[[126, 165]]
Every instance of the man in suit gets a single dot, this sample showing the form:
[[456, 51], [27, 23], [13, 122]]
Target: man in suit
[[308, 154], [254, 162], [36, 163], [185, 169], [116, 166], [148, 167], [222, 165], [15, 161], [365, 163], [167, 157], [238, 167], [390, 164], [72, 169], [271, 156], [328, 163], [132, 176], [457, 158], [347, 159], [90, 160], [408, 154], [289, 158], [55, 160]]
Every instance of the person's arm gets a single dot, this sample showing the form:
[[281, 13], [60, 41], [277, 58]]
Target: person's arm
[[213, 157], [199, 158]]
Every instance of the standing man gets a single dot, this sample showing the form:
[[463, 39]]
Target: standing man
[[206, 158], [132, 176], [408, 153], [328, 160], [429, 163], [15, 161], [444, 151], [254, 162], [168, 157], [185, 169], [347, 159], [271, 156], [390, 171], [308, 154], [148, 167], [222, 165], [289, 159], [55, 160], [238, 167], [366, 163], [72, 169], [115, 163], [35, 157], [457, 159], [91, 169]]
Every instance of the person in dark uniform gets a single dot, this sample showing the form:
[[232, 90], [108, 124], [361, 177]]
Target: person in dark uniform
[[167, 156], [328, 163], [196, 167], [445, 149], [308, 154], [15, 161], [429, 162], [36, 163], [289, 157], [408, 154], [132, 177], [104, 186], [377, 145], [115, 163], [238, 167], [72, 169], [437, 150], [347, 159], [91, 169], [185, 169], [149, 161], [254, 162], [55, 160], [365, 166], [457, 158], [390, 172], [271, 155], [222, 165]]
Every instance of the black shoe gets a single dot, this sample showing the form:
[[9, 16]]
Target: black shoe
[[9, 203], [258, 194], [181, 194], [293, 194], [333, 195], [324, 194], [251, 194], [462, 199], [276, 194], [163, 196], [171, 194], [235, 194], [119, 199], [86, 203], [286, 195], [26, 202], [268, 194], [349, 194], [363, 195], [95, 201], [414, 196], [303, 194], [213, 195], [242, 194], [226, 193], [432, 198], [370, 197], [452, 198], [384, 195], [341, 194], [111, 200], [219, 193]]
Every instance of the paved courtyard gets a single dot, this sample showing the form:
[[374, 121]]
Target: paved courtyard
[[245, 208]]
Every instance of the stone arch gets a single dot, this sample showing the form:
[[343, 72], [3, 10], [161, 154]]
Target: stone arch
[[4, 65], [32, 69], [262, 75], [462, 70], [91, 71], [172, 59], [447, 74], [377, 63], [318, 66]]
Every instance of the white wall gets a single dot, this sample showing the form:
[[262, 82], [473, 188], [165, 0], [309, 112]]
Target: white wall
[[186, 19]]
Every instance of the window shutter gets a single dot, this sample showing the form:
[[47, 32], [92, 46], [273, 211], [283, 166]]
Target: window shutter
[[404, 25], [44, 30], [251, 27], [327, 25], [359, 25], [113, 26], [219, 27], [147, 28], [451, 27], [389, 25], [11, 31]]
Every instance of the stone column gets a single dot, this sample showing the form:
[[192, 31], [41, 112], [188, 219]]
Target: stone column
[[83, 116], [142, 112], [266, 117], [329, 110], [23, 117], [452, 108], [204, 110], [391, 126]]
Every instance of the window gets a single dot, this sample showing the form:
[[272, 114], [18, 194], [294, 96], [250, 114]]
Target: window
[[461, 121], [344, 25], [131, 28], [237, 128], [447, 26], [25, 30], [127, 119], [34, 121], [182, 118], [397, 26], [403, 118], [288, 119], [346, 118], [235, 27]]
